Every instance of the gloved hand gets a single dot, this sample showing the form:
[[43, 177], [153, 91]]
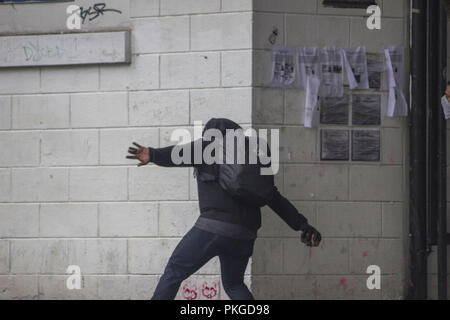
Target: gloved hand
[[310, 236]]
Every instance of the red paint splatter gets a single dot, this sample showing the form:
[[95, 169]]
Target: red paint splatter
[[343, 282], [209, 292], [365, 254]]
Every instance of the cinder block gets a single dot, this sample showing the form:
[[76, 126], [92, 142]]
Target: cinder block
[[234, 104], [345, 287], [331, 257], [93, 256], [267, 26], [301, 30], [312, 182], [19, 220], [18, 287], [128, 219], [211, 267], [69, 79], [22, 147], [385, 253], [262, 68], [190, 70], [4, 256], [329, 10], [29, 79], [392, 145], [78, 147], [99, 110], [39, 184], [177, 218], [391, 32], [149, 256], [298, 144], [157, 183], [156, 108], [282, 287], [236, 68], [122, 287], [297, 6], [274, 226], [5, 185], [40, 111], [268, 106], [141, 287], [392, 219], [267, 256], [54, 287], [350, 219], [221, 31], [165, 135], [237, 5], [172, 7], [68, 220], [193, 189], [394, 8], [5, 113], [114, 144], [161, 34], [141, 74], [373, 183], [294, 107], [144, 8], [333, 31], [393, 287], [98, 184]]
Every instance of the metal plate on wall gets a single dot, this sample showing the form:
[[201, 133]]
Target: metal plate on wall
[[334, 144], [334, 110], [366, 109], [365, 145]]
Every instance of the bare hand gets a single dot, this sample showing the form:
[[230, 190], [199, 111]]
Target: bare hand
[[141, 153]]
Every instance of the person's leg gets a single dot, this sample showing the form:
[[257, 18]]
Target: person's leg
[[193, 251], [233, 263]]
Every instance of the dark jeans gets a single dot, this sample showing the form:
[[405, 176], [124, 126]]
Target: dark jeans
[[198, 247]]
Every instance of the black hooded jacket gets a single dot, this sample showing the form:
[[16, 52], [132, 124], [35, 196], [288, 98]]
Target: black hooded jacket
[[214, 202]]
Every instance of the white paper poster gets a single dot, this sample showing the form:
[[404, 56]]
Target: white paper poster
[[397, 105], [355, 62], [312, 112], [283, 68], [445, 107], [331, 72], [308, 65]]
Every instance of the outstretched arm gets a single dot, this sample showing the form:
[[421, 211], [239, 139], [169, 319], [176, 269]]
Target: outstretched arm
[[286, 210], [164, 156]]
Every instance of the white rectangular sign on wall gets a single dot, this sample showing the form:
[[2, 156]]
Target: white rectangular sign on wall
[[65, 49]]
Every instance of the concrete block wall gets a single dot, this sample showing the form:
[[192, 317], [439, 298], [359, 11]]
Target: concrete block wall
[[359, 207], [68, 195]]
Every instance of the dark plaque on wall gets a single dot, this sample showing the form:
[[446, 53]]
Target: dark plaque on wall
[[334, 110], [334, 144], [365, 145], [374, 70], [366, 109]]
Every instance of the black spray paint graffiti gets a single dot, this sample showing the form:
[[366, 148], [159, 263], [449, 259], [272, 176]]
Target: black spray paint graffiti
[[93, 12]]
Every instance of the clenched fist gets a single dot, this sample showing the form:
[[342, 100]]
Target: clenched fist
[[141, 153]]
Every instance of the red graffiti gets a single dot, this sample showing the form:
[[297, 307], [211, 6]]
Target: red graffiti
[[365, 254], [343, 283], [189, 292], [209, 292]]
